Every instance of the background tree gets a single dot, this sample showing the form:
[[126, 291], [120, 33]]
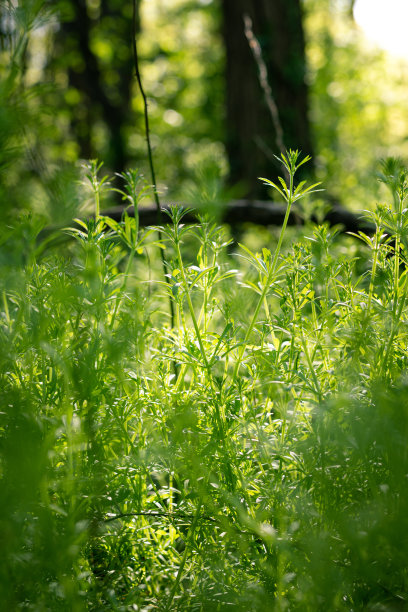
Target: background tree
[[93, 47], [251, 135], [79, 99]]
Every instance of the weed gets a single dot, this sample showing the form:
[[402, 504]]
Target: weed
[[266, 471]]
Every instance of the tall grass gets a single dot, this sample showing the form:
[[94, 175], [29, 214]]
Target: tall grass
[[252, 457]]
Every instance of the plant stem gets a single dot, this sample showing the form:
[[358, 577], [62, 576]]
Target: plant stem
[[191, 308], [268, 280], [373, 272], [97, 205], [184, 557], [119, 300], [396, 322]]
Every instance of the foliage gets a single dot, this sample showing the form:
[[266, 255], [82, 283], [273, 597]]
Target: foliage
[[29, 177], [253, 457], [357, 97], [52, 110]]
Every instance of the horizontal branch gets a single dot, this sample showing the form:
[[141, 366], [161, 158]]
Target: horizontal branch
[[236, 213], [258, 212]]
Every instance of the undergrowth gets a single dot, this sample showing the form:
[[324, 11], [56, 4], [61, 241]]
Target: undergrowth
[[252, 457]]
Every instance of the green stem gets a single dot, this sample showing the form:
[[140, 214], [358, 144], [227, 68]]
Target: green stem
[[184, 558], [123, 287], [267, 282], [373, 272], [395, 326], [97, 205], [191, 308], [318, 390], [397, 308], [219, 416]]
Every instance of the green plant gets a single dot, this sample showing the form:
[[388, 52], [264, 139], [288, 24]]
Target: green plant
[[266, 470]]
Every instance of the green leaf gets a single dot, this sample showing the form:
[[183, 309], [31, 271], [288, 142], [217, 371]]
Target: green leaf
[[272, 184]]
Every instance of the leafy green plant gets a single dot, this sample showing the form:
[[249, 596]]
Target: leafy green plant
[[251, 456]]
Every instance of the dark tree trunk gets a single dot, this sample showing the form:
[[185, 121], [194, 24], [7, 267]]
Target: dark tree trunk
[[251, 137], [104, 88]]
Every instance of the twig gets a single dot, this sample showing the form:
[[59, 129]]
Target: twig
[[150, 155], [264, 82], [258, 212]]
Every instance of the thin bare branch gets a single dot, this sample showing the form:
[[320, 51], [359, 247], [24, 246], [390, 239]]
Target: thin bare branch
[[264, 82]]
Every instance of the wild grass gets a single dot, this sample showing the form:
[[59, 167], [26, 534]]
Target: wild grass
[[252, 457]]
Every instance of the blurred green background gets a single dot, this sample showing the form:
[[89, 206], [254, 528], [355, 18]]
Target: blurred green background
[[93, 429], [68, 93]]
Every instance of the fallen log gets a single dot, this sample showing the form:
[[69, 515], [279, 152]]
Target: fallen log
[[236, 214], [257, 212]]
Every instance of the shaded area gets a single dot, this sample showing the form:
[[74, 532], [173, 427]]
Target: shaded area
[[251, 135], [257, 212]]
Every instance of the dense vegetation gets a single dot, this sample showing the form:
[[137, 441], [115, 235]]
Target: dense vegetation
[[188, 422], [253, 456]]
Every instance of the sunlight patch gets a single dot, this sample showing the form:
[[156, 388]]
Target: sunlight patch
[[385, 23]]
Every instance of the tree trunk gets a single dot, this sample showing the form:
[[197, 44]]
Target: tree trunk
[[251, 136], [104, 88]]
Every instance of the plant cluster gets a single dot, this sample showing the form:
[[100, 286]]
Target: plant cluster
[[252, 457]]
